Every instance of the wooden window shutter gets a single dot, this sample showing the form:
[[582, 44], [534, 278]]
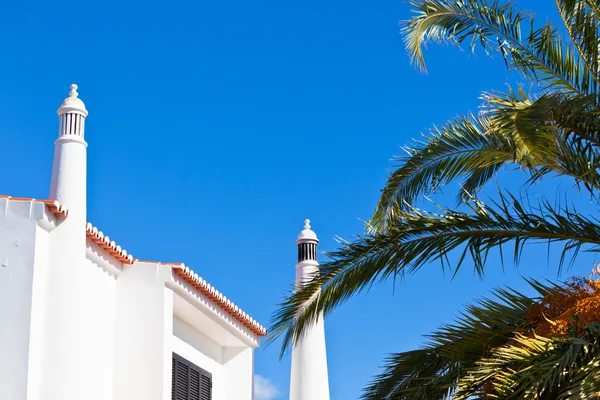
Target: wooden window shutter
[[190, 382]]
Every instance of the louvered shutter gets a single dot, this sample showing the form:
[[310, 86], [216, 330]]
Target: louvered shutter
[[190, 382], [181, 380], [174, 379], [194, 388], [206, 387]]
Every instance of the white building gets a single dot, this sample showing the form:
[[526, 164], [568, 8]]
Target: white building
[[81, 319]]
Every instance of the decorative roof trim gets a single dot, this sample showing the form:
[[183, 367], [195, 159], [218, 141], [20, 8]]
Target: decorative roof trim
[[54, 206], [179, 269], [209, 291], [189, 276], [108, 245]]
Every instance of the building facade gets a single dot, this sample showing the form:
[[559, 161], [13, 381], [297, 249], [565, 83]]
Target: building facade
[[81, 318]]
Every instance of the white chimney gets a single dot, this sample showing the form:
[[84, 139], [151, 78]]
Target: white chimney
[[65, 342], [68, 184], [309, 379]]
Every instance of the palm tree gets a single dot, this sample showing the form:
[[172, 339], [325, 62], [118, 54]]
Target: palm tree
[[552, 130]]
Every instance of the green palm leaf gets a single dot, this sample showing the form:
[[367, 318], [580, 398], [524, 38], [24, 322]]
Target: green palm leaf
[[453, 349], [539, 53], [536, 367], [415, 238], [465, 147], [513, 128], [581, 20]]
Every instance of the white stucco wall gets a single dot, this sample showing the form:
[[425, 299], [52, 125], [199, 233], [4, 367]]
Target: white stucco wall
[[32, 295], [21, 257], [36, 337], [143, 328], [120, 321], [231, 367], [98, 326], [200, 350], [79, 334], [238, 367]]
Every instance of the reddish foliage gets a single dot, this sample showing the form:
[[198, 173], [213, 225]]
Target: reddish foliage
[[568, 309]]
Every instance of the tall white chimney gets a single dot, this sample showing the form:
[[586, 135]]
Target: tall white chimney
[[68, 184], [309, 379], [65, 342]]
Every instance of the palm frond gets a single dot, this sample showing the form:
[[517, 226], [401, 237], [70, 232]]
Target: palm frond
[[538, 52], [534, 125], [574, 115], [417, 374], [491, 351], [562, 115], [464, 147], [415, 238], [582, 24], [549, 134], [537, 367], [454, 349]]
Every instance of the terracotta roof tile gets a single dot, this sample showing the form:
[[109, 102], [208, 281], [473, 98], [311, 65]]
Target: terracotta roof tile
[[181, 270], [108, 245], [184, 272], [209, 291]]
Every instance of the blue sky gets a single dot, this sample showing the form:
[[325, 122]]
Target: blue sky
[[215, 128]]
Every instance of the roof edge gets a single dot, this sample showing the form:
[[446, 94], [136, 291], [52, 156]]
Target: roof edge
[[108, 245], [53, 206], [120, 254], [209, 291]]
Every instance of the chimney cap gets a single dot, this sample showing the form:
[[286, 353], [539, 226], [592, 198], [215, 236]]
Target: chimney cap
[[73, 103], [307, 235]]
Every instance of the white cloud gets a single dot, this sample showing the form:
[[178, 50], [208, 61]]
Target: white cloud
[[264, 389]]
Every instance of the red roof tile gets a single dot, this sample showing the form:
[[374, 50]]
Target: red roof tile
[[209, 291], [108, 245]]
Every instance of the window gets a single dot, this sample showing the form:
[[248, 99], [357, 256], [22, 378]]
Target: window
[[190, 382]]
